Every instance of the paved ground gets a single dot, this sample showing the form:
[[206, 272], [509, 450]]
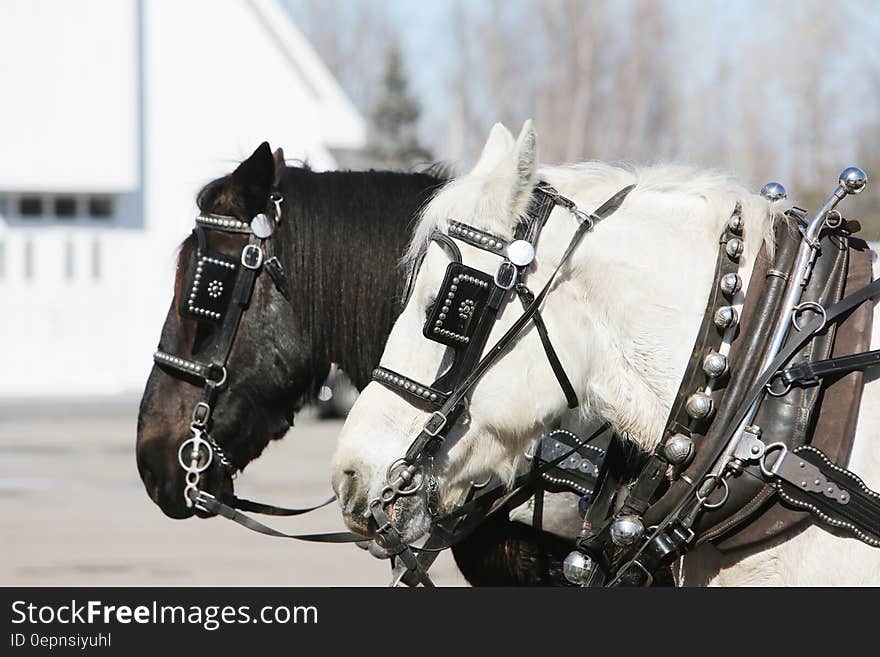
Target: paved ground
[[75, 512]]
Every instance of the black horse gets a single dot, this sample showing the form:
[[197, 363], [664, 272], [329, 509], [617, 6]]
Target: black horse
[[340, 241]]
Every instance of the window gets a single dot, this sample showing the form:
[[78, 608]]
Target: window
[[96, 260], [65, 207], [100, 207], [30, 206], [28, 260], [68, 260]]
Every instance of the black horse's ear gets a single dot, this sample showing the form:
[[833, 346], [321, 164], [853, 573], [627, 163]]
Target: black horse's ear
[[253, 178]]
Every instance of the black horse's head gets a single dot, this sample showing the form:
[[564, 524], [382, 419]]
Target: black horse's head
[[269, 373]]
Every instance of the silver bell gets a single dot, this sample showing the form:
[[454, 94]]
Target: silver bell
[[725, 317], [626, 530], [520, 253], [853, 180], [699, 405], [730, 284], [714, 364], [577, 567], [734, 247], [774, 191], [735, 224], [678, 448]]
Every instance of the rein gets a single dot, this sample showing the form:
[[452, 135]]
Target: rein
[[219, 292]]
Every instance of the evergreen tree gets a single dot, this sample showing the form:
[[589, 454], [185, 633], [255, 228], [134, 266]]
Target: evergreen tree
[[394, 141]]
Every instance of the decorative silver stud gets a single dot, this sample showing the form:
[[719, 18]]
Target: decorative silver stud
[[725, 317], [262, 226], [734, 247], [714, 364], [678, 448], [577, 567], [731, 284], [626, 530], [520, 253], [735, 224], [699, 405]]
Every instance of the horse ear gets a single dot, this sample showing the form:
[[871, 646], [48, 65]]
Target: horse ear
[[278, 158], [526, 168], [498, 145], [254, 177]]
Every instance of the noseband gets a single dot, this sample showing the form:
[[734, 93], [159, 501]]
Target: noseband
[[469, 303]]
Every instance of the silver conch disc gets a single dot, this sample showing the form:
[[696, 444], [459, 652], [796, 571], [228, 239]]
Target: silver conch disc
[[262, 226], [520, 253]]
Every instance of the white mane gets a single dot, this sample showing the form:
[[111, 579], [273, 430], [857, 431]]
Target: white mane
[[482, 199]]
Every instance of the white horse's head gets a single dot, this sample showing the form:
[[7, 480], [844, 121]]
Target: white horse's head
[[622, 317]]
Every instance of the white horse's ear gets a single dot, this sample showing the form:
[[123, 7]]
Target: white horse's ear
[[526, 168], [498, 145]]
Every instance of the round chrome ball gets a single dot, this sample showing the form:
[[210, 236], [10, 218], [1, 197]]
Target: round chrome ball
[[698, 405], [774, 191], [577, 567], [853, 180], [725, 317], [520, 253], [626, 530], [714, 364], [730, 284], [678, 448]]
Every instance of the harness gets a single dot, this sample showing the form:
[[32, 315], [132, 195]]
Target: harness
[[218, 291], [714, 468], [468, 305]]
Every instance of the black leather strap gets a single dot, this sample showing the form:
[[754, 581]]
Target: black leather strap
[[210, 504], [526, 297], [811, 372], [271, 510]]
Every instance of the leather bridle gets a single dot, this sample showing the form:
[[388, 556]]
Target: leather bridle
[[449, 393], [223, 301]]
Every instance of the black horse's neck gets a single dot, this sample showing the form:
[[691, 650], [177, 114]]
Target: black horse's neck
[[342, 239]]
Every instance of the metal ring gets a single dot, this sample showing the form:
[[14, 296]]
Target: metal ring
[[808, 305], [837, 222], [222, 381], [704, 500], [193, 465], [771, 472], [404, 491], [583, 217], [777, 392]]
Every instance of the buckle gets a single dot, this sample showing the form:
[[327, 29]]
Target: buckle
[[251, 256], [508, 268], [434, 424], [201, 413]]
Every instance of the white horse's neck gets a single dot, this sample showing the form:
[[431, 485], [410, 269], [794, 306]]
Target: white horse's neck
[[645, 273]]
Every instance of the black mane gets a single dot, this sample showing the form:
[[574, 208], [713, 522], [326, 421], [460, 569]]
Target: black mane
[[337, 226]]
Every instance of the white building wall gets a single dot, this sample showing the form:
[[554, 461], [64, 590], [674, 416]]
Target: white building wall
[[208, 81]]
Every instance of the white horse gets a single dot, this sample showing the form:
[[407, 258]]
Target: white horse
[[623, 318]]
